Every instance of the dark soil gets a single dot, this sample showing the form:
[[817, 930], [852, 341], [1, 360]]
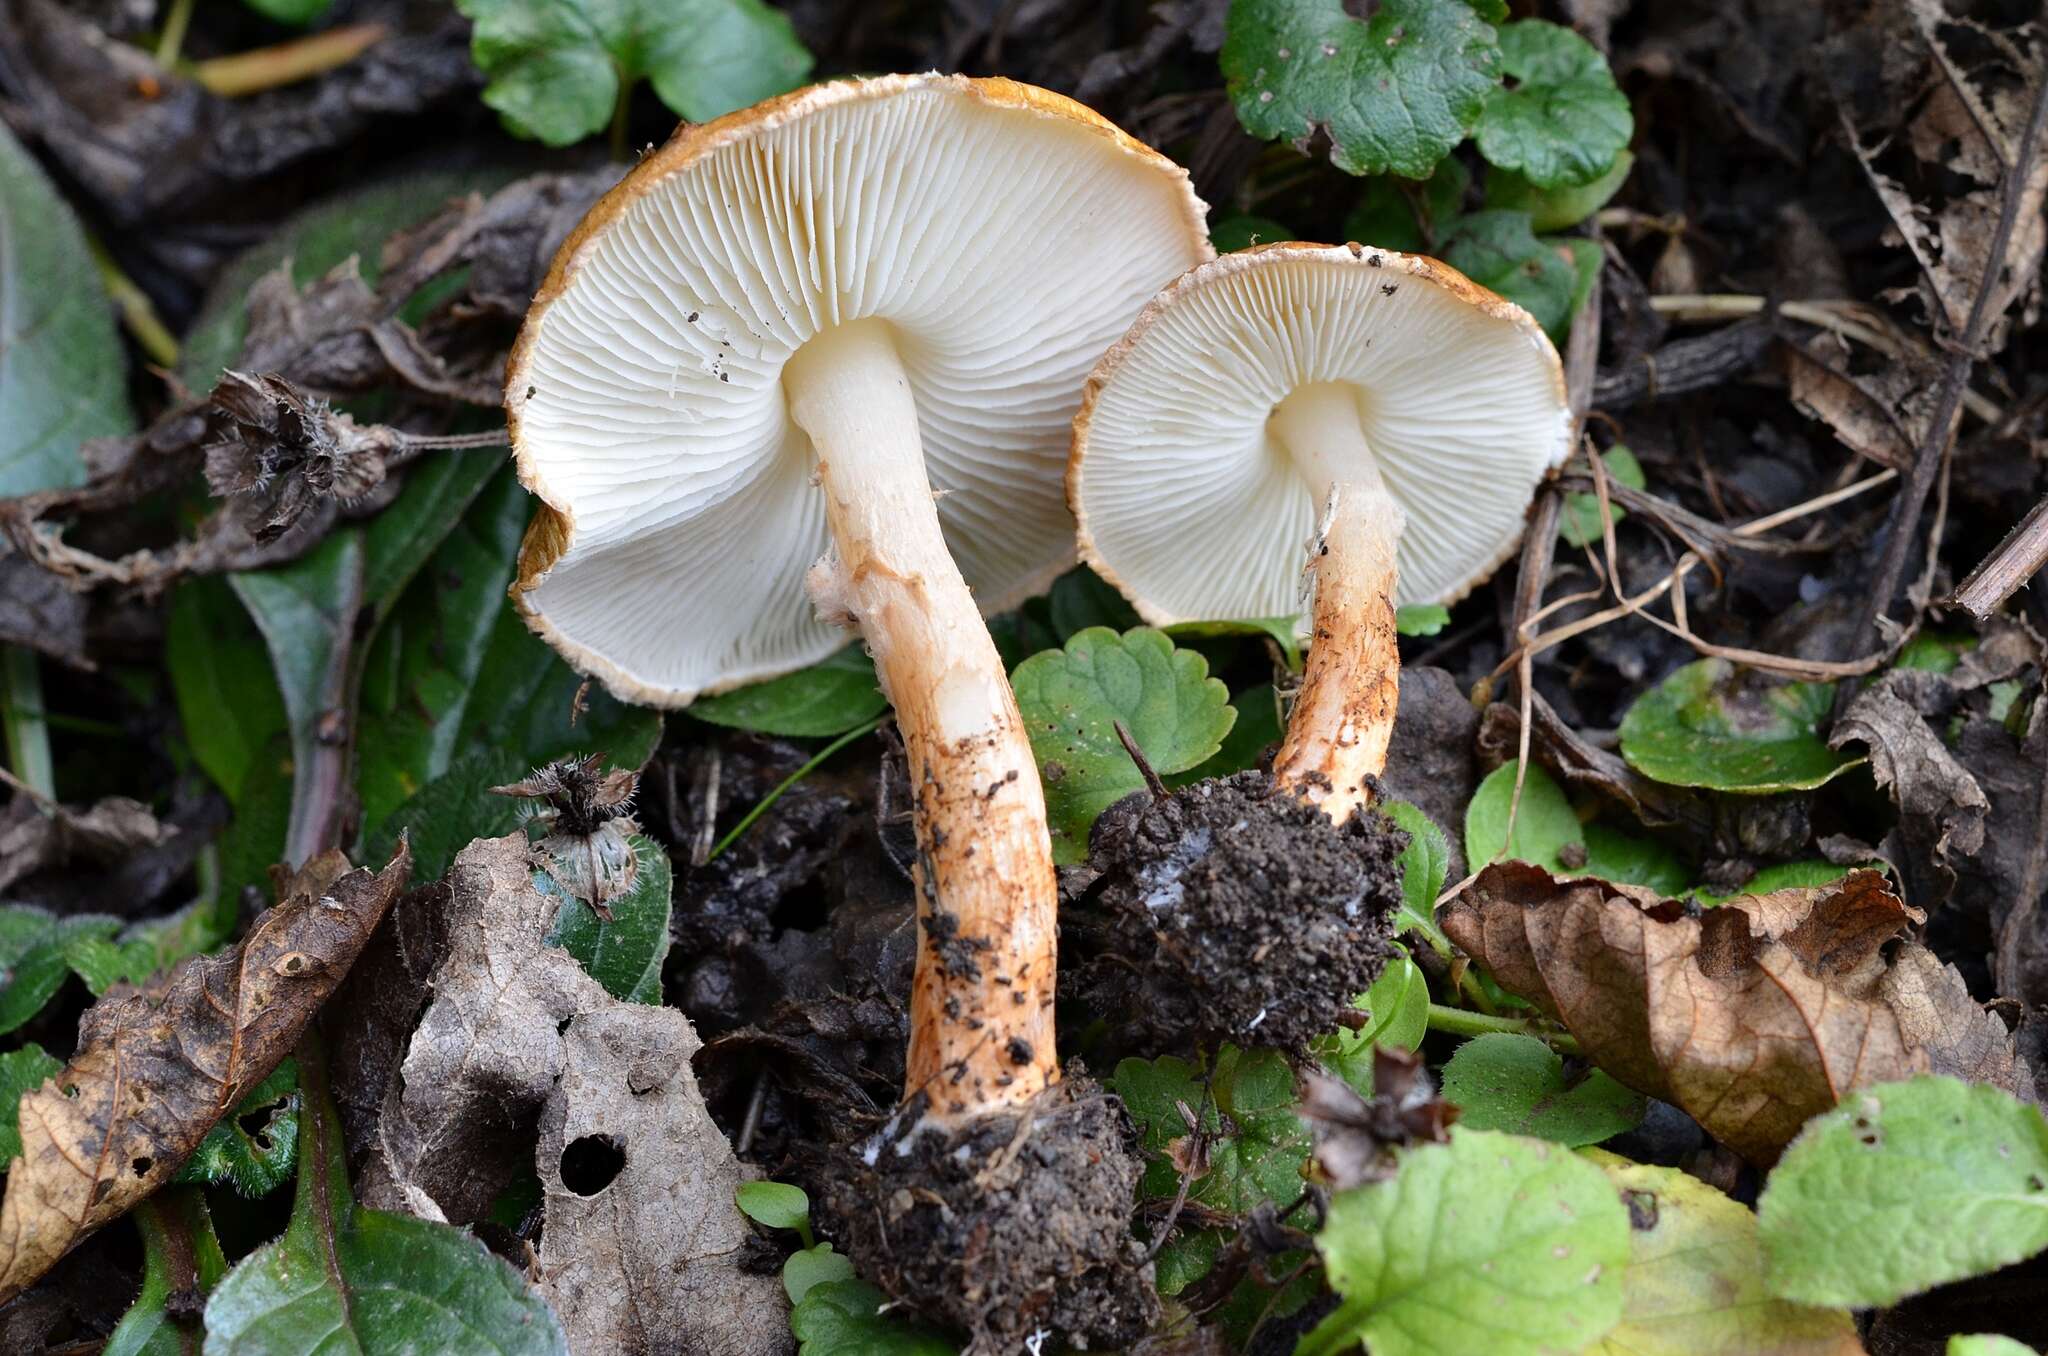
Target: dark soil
[[1233, 911], [1014, 1226]]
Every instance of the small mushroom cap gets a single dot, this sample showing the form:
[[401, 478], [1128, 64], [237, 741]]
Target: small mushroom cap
[[1189, 504], [1007, 235]]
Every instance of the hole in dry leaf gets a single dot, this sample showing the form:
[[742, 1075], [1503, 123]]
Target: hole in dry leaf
[[589, 1164], [141, 1166]]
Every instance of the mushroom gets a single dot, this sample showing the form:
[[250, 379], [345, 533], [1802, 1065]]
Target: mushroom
[[1379, 405], [850, 326]]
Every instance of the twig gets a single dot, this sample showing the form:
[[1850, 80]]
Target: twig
[[288, 62], [1935, 442], [1152, 782], [2022, 555]]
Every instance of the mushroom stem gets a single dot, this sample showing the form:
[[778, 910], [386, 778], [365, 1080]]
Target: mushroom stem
[[981, 1018], [1343, 719]]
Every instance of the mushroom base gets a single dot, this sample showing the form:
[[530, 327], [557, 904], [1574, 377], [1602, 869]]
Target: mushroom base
[[1232, 910], [1014, 1224]]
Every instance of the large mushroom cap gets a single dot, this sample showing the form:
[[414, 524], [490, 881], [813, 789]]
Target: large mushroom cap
[[1189, 504], [1005, 234]]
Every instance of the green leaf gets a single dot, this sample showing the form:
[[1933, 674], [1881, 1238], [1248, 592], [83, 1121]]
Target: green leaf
[[1410, 215], [1396, 92], [296, 12], [1280, 630], [1498, 251], [348, 1279], [21, 1071], [624, 955], [1421, 619], [1784, 876], [556, 67], [1397, 1015], [1516, 1084], [1560, 120], [1579, 523], [1072, 699], [1986, 1344], [229, 706], [181, 1257], [828, 698], [1695, 1278], [1556, 209], [1242, 230], [1258, 727], [1081, 598], [1424, 864], [1547, 830], [1488, 1243], [779, 1205], [1702, 726], [807, 1268], [1935, 651], [846, 1318], [63, 373], [1903, 1187], [35, 956], [257, 1148]]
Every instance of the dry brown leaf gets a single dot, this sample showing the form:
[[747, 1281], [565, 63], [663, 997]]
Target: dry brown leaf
[[1942, 809], [37, 833], [157, 1067], [517, 1033], [1753, 1016]]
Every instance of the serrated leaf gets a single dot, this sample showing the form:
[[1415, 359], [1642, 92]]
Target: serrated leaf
[[1903, 1187], [1546, 830], [63, 373], [624, 955], [1517, 1084], [557, 67], [1259, 726], [1407, 214], [1424, 864], [846, 1318], [1396, 92], [347, 1279], [255, 1159], [1708, 726], [1280, 630], [828, 698], [1421, 619], [35, 956], [1500, 252], [1560, 120], [181, 1257], [1491, 1243], [1397, 1015], [1579, 524], [1072, 700], [20, 1070], [1556, 209], [1695, 1279]]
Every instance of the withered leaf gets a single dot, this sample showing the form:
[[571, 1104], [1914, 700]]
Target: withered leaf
[[1753, 1016], [36, 833], [646, 1260], [1942, 809], [157, 1067], [1356, 1136]]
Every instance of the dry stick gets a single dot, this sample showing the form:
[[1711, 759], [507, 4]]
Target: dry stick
[[2022, 555], [1940, 428]]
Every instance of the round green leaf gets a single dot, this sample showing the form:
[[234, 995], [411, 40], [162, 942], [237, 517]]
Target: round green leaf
[[1547, 831], [1580, 524], [1517, 1084], [1395, 92], [828, 698], [1397, 1015], [1498, 251], [779, 1205], [1421, 619], [1986, 1344], [851, 1318], [1555, 209], [1707, 726], [1560, 120], [1489, 1243], [808, 1268], [1903, 1187], [1072, 700]]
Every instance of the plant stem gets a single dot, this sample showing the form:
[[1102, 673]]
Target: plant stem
[[172, 38], [1458, 1022], [747, 820], [138, 312], [21, 710], [288, 62]]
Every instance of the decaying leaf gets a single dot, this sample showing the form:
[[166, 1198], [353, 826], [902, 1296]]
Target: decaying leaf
[[36, 833], [1942, 809], [641, 1244], [157, 1067], [1356, 1136], [1753, 1016]]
